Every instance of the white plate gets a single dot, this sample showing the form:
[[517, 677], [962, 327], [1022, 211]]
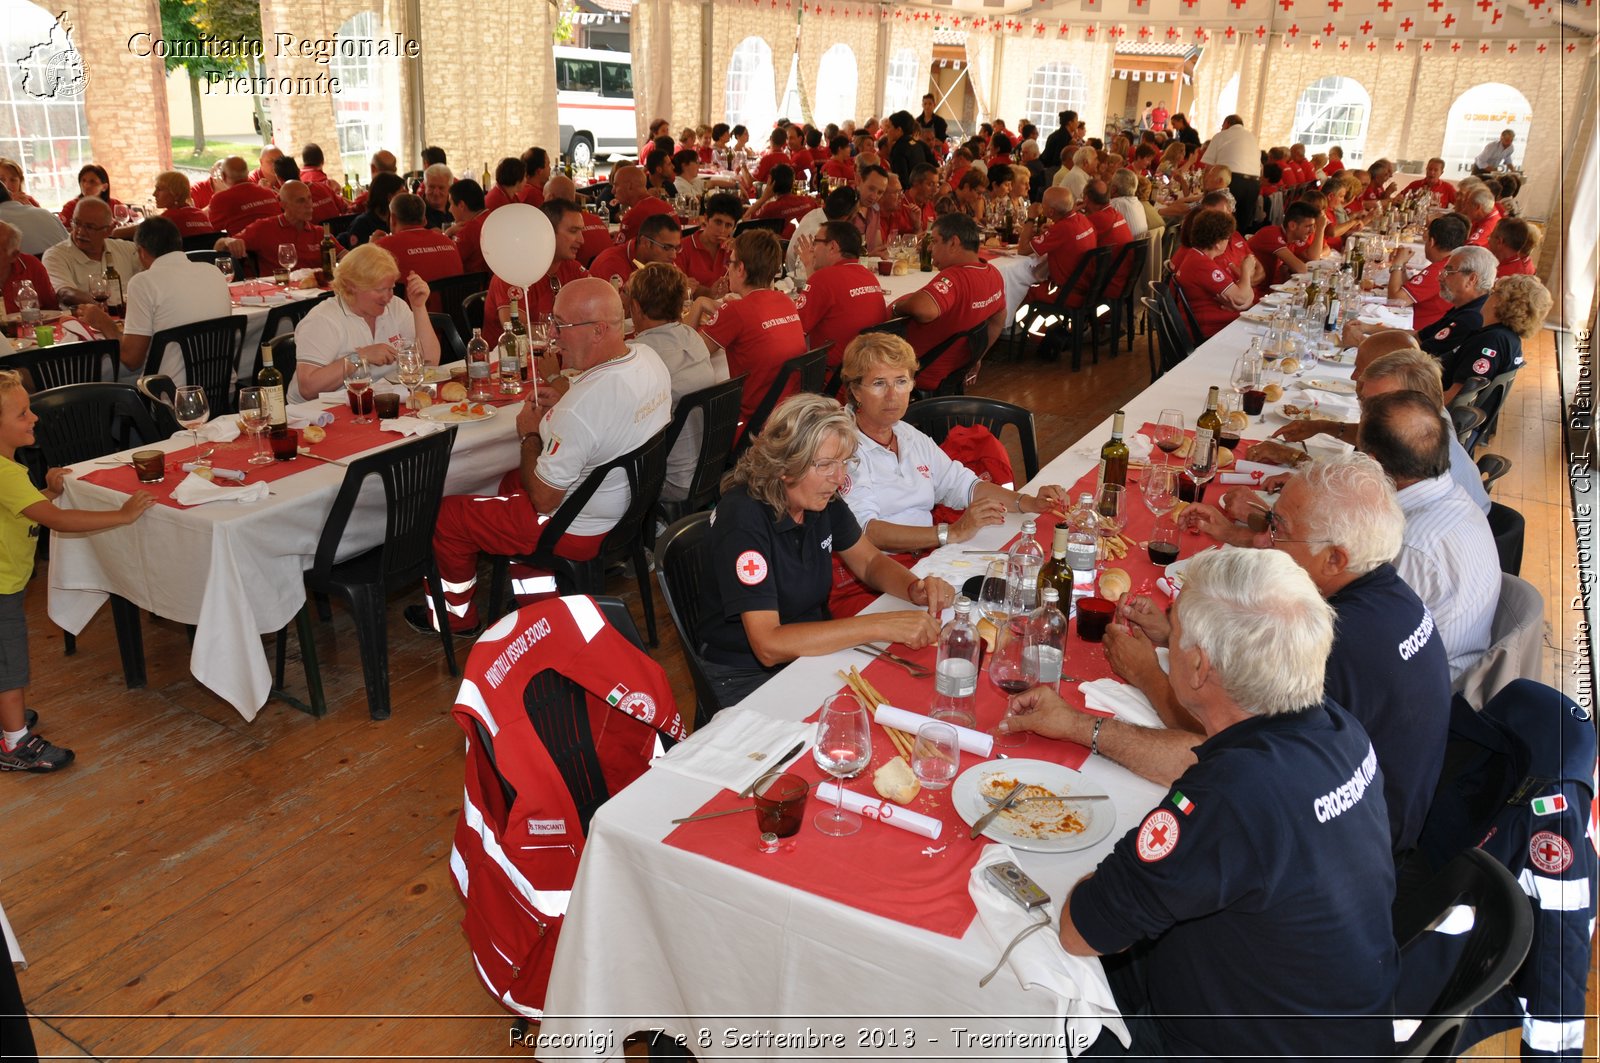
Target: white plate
[[966, 796], [1312, 414], [1331, 384], [441, 411], [1277, 298]]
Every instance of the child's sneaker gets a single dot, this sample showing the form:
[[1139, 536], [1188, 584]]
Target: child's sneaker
[[35, 754]]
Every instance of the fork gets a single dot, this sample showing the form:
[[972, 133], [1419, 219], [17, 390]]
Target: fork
[[914, 670]]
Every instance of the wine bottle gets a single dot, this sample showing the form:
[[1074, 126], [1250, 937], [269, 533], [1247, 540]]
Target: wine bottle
[[270, 381], [1057, 572], [487, 181], [1210, 420], [328, 252], [1114, 455], [114, 302], [513, 353]]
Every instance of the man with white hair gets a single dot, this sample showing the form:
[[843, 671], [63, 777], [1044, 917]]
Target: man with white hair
[[1124, 188], [1465, 283], [436, 182], [1251, 906], [1074, 177], [1482, 210]]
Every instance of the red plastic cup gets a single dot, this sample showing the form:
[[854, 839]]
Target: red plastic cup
[[1094, 614]]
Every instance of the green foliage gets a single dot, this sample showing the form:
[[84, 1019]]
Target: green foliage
[[189, 20]]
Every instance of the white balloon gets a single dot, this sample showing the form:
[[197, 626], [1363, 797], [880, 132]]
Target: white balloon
[[518, 243]]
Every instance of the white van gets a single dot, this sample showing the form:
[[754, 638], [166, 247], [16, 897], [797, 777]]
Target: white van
[[594, 102]]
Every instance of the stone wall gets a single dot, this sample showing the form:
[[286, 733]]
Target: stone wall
[[124, 99], [732, 24]]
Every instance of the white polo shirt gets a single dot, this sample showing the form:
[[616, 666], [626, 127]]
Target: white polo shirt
[[1449, 558], [173, 292], [71, 268], [689, 364], [332, 331], [610, 410], [903, 488], [1236, 148]]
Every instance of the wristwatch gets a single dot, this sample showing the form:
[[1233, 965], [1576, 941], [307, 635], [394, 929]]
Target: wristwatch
[[943, 531]]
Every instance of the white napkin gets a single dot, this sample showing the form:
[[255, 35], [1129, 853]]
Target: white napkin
[[1129, 706], [77, 329], [222, 429], [197, 491], [1139, 446], [736, 748], [1387, 316], [1323, 445], [411, 426], [306, 414], [975, 742], [827, 794], [1332, 406], [1039, 961]]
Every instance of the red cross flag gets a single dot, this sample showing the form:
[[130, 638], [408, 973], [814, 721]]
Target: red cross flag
[[1345, 44]]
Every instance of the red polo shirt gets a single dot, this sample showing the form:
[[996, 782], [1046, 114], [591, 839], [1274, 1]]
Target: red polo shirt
[[966, 295], [841, 170], [1480, 232], [496, 197], [468, 238], [791, 208], [1203, 281], [838, 302], [541, 296], [191, 221], [238, 205], [703, 266], [759, 332], [1332, 166], [326, 204], [1111, 230], [1428, 303], [1521, 266], [771, 159], [533, 195], [202, 192], [426, 252], [596, 238], [27, 268], [648, 207], [1442, 191], [1066, 241], [262, 237], [614, 261], [1265, 245]]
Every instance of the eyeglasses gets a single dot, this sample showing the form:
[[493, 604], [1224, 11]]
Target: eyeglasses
[[674, 248], [1451, 270], [830, 467], [883, 385], [1275, 525], [561, 326], [86, 227]]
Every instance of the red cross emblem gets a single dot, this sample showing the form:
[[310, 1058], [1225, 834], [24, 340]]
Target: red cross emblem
[[1344, 46], [1455, 46], [1386, 5], [1435, 5], [1372, 46], [1327, 31], [1483, 49], [1571, 48], [1261, 31], [1540, 49], [1511, 49], [1536, 4], [1336, 5], [751, 568], [1228, 33], [1497, 16], [1407, 24], [1399, 46], [1237, 4], [1087, 33], [1286, 4], [1550, 852], [1427, 46], [1294, 31], [1485, 5], [1365, 27], [1064, 29], [1158, 836], [1449, 20], [1316, 42], [1144, 31], [1172, 33], [1189, 4], [1138, 3]]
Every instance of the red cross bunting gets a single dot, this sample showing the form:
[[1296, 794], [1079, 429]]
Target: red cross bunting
[[1316, 42], [1261, 31], [1190, 4], [1435, 5], [1335, 5], [1138, 3], [1172, 33], [1365, 27], [1498, 14], [1406, 25], [1088, 32], [1372, 46], [1064, 28], [1540, 49], [1455, 46], [1536, 4], [1511, 49], [1286, 4], [1327, 31], [1449, 20], [1571, 48], [1237, 4], [1483, 49], [1344, 46], [1228, 33], [1485, 5], [1144, 31], [1293, 31], [1427, 46], [1399, 46]]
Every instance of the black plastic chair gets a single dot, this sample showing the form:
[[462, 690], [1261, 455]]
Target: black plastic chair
[[472, 312], [936, 416], [1117, 265], [1491, 467], [681, 570], [159, 393], [284, 359], [208, 256], [1508, 527], [716, 410], [290, 314], [775, 226], [1467, 420], [1067, 317], [1487, 955], [211, 351], [68, 363], [1123, 305], [1492, 401], [645, 469], [337, 226], [810, 368], [1173, 338], [452, 348], [955, 382], [894, 326], [453, 293], [412, 475], [202, 242]]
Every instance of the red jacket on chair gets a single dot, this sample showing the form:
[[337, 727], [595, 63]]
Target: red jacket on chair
[[514, 865]]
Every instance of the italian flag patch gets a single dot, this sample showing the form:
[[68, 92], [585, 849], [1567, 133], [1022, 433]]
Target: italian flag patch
[[616, 695], [1548, 806], [1185, 805]]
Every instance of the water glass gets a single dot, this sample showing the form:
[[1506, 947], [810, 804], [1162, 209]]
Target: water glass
[[936, 755], [253, 418]]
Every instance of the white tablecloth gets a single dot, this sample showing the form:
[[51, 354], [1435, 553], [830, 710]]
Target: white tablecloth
[[1016, 276], [234, 571]]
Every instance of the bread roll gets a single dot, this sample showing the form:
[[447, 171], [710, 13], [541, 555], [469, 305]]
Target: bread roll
[[1114, 583], [313, 434], [987, 632], [896, 782], [1224, 457], [1274, 392], [420, 399], [453, 391]]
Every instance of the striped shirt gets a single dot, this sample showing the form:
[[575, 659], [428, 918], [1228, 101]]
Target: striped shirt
[[1448, 557]]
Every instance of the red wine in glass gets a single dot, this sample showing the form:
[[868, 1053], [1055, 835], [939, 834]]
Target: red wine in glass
[[1012, 686], [1254, 401], [1163, 553]]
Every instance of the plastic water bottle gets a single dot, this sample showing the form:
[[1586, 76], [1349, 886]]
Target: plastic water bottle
[[1083, 548], [28, 304], [1046, 642], [1023, 565], [955, 677]]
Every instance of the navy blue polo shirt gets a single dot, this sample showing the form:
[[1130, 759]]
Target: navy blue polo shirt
[[1264, 880], [1492, 350], [761, 562], [1389, 669], [1441, 338]]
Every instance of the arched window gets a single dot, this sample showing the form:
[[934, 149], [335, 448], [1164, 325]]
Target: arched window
[[1332, 110], [900, 92], [836, 86], [1227, 103], [366, 107], [1477, 117], [1053, 88], [749, 99], [43, 125]]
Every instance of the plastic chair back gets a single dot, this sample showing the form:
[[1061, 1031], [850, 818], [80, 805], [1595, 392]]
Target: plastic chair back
[[1467, 420], [775, 226], [936, 416], [716, 410], [282, 320], [472, 311], [452, 293], [810, 368], [452, 348], [1491, 467], [1508, 526], [78, 422], [68, 363], [206, 242], [1516, 643], [645, 469], [159, 393], [680, 568], [1492, 400], [211, 352]]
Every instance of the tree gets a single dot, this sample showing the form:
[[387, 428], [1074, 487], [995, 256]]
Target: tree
[[178, 25], [236, 20]]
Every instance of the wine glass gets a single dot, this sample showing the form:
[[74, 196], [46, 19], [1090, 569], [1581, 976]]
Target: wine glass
[[843, 749], [99, 291], [1111, 505], [358, 384], [192, 410], [224, 264], [1168, 432], [936, 755], [288, 257], [1246, 373], [993, 600], [1160, 489], [1202, 464], [253, 417], [410, 369]]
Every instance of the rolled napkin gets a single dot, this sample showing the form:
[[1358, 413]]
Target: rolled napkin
[[1039, 961], [1121, 700], [1242, 477], [197, 491], [216, 473], [975, 742], [1139, 446], [411, 426], [306, 414], [223, 428], [880, 810], [1250, 468], [736, 748]]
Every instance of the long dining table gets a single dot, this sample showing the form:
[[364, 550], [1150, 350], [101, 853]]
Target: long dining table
[[851, 947]]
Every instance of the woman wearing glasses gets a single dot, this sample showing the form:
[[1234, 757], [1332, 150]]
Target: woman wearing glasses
[[899, 474], [770, 555]]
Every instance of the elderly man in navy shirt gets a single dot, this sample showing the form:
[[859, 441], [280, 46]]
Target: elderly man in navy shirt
[[1249, 910]]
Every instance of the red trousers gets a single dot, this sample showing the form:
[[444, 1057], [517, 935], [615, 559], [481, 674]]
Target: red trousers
[[505, 523]]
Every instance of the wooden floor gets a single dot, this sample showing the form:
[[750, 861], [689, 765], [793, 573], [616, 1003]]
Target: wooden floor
[[196, 886]]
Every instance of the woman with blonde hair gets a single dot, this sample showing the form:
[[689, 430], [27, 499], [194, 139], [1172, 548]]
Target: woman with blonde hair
[[362, 320], [1515, 311], [770, 551]]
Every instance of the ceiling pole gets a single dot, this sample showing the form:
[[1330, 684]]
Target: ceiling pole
[[707, 87], [1261, 77], [881, 98]]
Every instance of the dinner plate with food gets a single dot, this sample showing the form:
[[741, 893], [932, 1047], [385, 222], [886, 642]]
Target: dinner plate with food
[[1307, 410], [1057, 812], [1332, 385], [457, 412]]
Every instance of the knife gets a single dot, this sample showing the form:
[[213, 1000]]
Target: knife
[[304, 453], [988, 817], [778, 765]]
